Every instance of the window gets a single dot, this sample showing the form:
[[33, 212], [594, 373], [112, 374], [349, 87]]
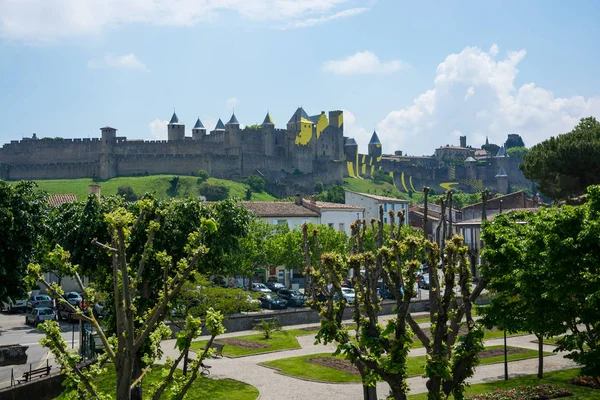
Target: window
[[385, 220], [342, 227], [279, 221], [330, 224]]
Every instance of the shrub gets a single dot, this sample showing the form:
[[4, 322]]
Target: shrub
[[379, 176], [539, 392], [202, 176], [267, 327], [256, 183], [127, 192], [214, 192]]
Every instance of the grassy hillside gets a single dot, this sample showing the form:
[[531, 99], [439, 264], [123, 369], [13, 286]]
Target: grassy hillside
[[158, 184], [381, 189]]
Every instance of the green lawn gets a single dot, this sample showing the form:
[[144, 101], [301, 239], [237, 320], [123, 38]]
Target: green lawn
[[284, 340], [558, 378], [144, 184], [488, 335], [382, 189], [296, 366], [202, 388]]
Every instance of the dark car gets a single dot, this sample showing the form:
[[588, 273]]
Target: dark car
[[423, 281], [294, 298], [275, 286], [272, 302], [73, 298]]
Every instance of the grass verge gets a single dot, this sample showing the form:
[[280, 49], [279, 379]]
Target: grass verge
[[297, 367], [202, 388], [284, 340], [559, 378]]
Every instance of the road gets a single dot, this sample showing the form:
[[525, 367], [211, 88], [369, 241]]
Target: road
[[14, 331]]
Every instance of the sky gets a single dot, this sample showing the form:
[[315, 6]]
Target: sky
[[420, 73]]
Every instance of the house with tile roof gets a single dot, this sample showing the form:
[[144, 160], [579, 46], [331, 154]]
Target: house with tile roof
[[371, 203]]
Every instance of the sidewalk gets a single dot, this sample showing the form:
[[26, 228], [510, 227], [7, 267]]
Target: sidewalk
[[274, 386]]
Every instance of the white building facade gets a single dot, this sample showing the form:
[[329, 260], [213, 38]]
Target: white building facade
[[371, 204]]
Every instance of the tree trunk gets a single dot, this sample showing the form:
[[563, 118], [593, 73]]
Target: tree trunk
[[369, 392], [136, 372], [123, 370], [434, 385], [540, 339], [398, 390]]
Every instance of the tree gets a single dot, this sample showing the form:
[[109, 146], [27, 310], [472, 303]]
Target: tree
[[202, 176], [174, 184], [491, 148], [516, 280], [393, 257], [566, 165], [379, 176], [514, 140], [214, 192], [23, 211], [334, 194], [517, 152], [128, 283], [127, 192], [256, 183], [318, 187], [555, 253]]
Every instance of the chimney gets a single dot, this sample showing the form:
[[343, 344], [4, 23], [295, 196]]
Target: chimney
[[94, 189], [298, 200], [313, 199]]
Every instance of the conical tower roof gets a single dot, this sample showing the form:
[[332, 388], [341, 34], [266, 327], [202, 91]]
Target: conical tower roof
[[350, 142], [374, 139], [220, 126], [233, 120], [470, 160], [174, 119], [299, 115], [501, 152], [198, 124], [268, 119], [501, 173]]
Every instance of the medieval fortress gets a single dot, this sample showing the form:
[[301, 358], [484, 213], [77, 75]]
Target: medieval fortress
[[291, 160]]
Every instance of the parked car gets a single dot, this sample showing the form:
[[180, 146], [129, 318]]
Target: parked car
[[272, 301], [38, 315], [39, 301], [275, 286], [99, 311], [423, 281], [293, 297], [73, 298], [260, 287], [14, 305], [349, 295]]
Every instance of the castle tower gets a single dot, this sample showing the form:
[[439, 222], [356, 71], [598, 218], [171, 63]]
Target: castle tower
[[108, 161], [175, 129], [351, 154], [219, 128], [198, 131], [232, 123], [108, 134], [268, 127], [470, 164], [336, 120], [502, 181], [232, 127], [463, 141], [375, 148]]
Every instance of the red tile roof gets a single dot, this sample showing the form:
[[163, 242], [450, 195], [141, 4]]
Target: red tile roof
[[56, 200], [278, 209]]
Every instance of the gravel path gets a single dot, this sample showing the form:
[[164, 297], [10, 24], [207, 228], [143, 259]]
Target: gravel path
[[274, 386]]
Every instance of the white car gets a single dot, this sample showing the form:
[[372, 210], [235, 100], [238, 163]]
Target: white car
[[15, 305], [261, 287], [36, 316], [349, 295]]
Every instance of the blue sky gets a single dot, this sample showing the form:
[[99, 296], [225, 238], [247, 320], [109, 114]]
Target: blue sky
[[421, 73]]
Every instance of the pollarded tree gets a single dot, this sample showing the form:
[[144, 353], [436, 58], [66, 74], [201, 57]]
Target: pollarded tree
[[23, 211], [131, 335], [566, 165], [380, 352]]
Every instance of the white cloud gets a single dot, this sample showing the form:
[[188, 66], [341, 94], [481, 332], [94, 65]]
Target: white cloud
[[326, 18], [39, 21], [127, 61], [356, 131], [474, 93], [363, 62], [231, 102], [158, 129]]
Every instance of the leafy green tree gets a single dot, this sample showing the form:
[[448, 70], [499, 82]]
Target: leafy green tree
[[380, 352], [248, 195], [127, 193], [491, 148], [379, 176], [256, 183], [460, 199], [23, 211], [127, 281], [517, 152], [555, 253], [566, 165], [214, 192], [202, 176], [334, 194], [514, 141]]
